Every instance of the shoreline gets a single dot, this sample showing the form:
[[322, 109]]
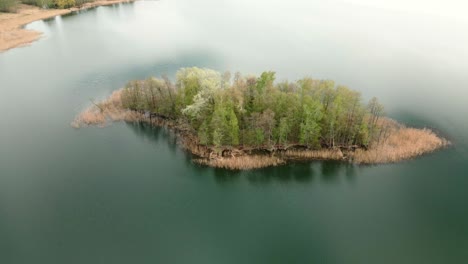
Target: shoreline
[[13, 34], [402, 143]]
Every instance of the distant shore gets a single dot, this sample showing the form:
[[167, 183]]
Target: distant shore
[[12, 33]]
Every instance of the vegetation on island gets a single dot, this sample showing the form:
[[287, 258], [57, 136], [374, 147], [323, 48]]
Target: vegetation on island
[[254, 111], [234, 121]]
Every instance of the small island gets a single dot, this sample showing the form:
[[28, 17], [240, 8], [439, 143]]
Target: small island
[[246, 122]]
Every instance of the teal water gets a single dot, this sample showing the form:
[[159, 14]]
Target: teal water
[[127, 194]]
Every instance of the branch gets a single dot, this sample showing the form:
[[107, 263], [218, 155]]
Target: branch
[[97, 105]]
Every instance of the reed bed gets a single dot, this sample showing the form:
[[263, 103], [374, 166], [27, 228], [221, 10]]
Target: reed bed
[[242, 162], [322, 154], [402, 143], [106, 111]]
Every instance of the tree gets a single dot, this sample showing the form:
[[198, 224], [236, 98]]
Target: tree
[[199, 88], [8, 5], [284, 129], [263, 123], [224, 123], [65, 3], [219, 125], [250, 94], [376, 110], [132, 96], [268, 123], [310, 128], [263, 91], [204, 133], [265, 81], [254, 111], [233, 128], [217, 137]]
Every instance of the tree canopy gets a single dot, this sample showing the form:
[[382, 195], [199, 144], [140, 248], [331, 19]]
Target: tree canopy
[[256, 111]]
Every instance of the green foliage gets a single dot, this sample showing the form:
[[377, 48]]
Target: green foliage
[[54, 3], [8, 5], [204, 133], [284, 129], [217, 137], [153, 95], [198, 86], [265, 81], [219, 125], [12, 5], [259, 137], [65, 3], [43, 3], [233, 128], [224, 123], [257, 112], [310, 127], [82, 2]]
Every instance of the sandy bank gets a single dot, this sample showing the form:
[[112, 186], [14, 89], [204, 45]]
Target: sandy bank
[[398, 144], [13, 35]]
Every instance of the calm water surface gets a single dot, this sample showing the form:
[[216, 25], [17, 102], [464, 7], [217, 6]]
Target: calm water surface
[[128, 194]]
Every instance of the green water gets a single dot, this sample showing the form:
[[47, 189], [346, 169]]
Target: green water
[[128, 194]]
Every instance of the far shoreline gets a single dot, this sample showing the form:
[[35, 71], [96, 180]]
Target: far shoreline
[[14, 35]]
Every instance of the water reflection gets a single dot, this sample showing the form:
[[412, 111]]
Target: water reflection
[[153, 134], [306, 172], [61, 189], [330, 172], [224, 177], [160, 136]]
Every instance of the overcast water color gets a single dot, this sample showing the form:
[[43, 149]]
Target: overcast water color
[[128, 194]]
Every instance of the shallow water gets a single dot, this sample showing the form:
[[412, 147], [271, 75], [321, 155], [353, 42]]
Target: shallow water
[[128, 194]]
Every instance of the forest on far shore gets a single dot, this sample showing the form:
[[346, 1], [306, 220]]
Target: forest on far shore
[[225, 110], [12, 5]]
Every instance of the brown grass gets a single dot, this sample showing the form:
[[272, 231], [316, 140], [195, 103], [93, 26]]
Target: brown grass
[[243, 162], [322, 154], [401, 143], [106, 111]]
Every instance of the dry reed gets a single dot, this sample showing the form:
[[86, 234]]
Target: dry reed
[[322, 154], [108, 110], [242, 162], [401, 143]]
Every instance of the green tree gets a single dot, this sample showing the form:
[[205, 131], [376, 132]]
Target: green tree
[[197, 83], [65, 3], [310, 125], [8, 6], [217, 137], [204, 133], [265, 81], [259, 136], [284, 129], [233, 128], [254, 111]]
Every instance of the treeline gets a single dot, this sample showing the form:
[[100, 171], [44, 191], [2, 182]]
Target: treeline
[[8, 5], [256, 111], [12, 5]]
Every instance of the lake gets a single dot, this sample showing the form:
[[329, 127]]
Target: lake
[[128, 194]]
